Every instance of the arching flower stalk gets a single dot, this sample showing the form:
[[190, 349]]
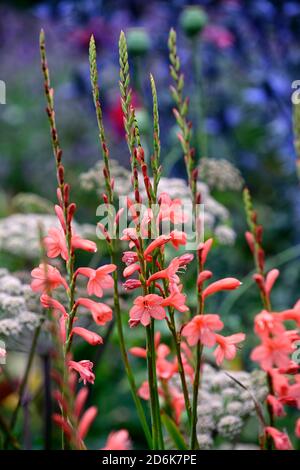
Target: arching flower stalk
[[63, 242], [277, 343]]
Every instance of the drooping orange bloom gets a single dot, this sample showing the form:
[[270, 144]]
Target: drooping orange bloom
[[99, 279], [202, 328], [46, 277]]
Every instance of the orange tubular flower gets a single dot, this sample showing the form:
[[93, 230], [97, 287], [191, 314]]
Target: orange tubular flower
[[118, 440], [281, 440], [99, 279], [229, 283], [201, 329], [145, 308], [46, 277]]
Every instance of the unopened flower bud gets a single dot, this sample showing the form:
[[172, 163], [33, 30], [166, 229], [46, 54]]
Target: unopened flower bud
[[138, 42], [192, 20]]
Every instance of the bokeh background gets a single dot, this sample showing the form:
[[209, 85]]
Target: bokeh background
[[245, 61]]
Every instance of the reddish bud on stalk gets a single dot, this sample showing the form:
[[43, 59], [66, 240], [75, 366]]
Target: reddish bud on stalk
[[258, 278], [261, 259], [203, 250], [71, 211], [132, 284], [259, 234], [66, 194], [250, 240], [202, 277], [195, 174], [254, 217], [59, 155], [105, 232], [60, 174]]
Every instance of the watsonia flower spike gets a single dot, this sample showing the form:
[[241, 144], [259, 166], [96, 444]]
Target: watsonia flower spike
[[110, 193]]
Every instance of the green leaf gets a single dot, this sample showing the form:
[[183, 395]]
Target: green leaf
[[174, 432]]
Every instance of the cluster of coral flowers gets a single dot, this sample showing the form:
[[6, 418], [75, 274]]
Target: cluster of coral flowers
[[162, 295], [278, 334], [62, 243]]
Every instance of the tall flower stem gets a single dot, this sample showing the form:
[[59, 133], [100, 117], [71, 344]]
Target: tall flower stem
[[156, 397], [130, 376], [177, 342], [112, 245], [201, 137], [259, 261], [194, 443]]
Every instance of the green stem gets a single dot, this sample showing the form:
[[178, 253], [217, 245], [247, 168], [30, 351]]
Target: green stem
[[156, 397], [177, 341], [7, 432], [24, 381], [195, 396], [124, 355]]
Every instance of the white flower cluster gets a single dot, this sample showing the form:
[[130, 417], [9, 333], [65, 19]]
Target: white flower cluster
[[93, 179], [224, 406], [19, 233], [20, 313], [220, 174]]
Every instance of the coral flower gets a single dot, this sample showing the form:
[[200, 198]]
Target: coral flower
[[201, 328], [178, 238], [144, 391], [55, 243], [79, 243], [84, 369], [276, 405], [229, 283], [89, 336], [171, 209], [157, 243], [101, 313], [129, 257], [86, 421], [270, 280], [132, 268], [280, 439], [266, 323], [80, 400], [49, 302], [145, 308], [118, 440], [273, 351], [176, 300], [164, 368], [292, 396], [203, 250], [99, 279], [177, 403], [46, 277], [170, 273], [226, 348]]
